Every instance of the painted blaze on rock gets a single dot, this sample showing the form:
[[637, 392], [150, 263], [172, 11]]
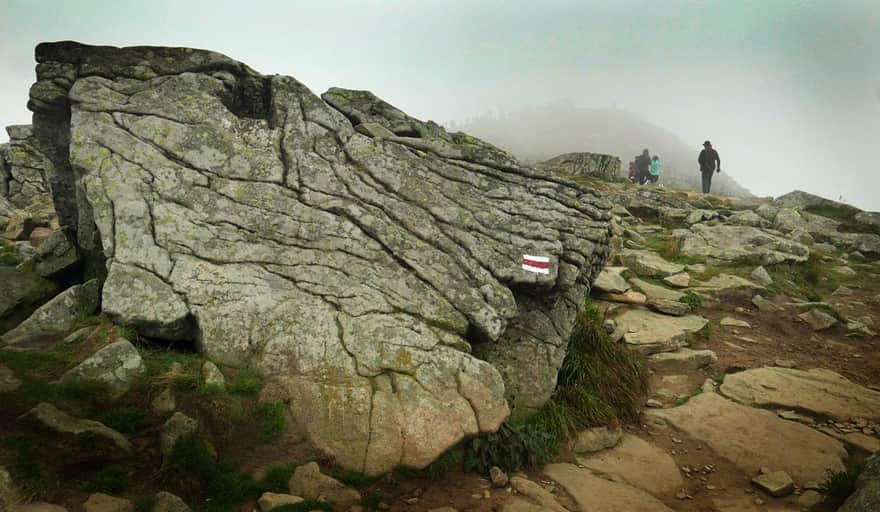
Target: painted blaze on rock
[[348, 251]]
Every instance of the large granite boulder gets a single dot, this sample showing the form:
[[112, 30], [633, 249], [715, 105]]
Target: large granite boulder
[[23, 169], [602, 166], [358, 257], [22, 293]]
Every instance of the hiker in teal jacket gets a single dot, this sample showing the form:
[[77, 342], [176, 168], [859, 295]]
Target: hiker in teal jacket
[[655, 169]]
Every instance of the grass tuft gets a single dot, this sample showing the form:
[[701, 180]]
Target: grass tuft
[[693, 300], [271, 418], [125, 419], [278, 476]]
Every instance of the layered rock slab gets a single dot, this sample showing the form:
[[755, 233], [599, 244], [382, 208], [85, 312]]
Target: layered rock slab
[[348, 251], [822, 392], [732, 243], [597, 494], [755, 438]]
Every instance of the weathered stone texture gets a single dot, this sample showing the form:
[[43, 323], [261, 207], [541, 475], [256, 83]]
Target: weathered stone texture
[[348, 251]]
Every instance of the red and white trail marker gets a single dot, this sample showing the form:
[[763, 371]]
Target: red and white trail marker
[[536, 264]]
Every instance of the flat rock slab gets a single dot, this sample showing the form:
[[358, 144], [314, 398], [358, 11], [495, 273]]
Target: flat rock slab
[[651, 333], [754, 438], [723, 282], [682, 280], [819, 391], [734, 322], [682, 360], [596, 439], [596, 494], [733, 243], [818, 320], [638, 463], [654, 291], [776, 483], [117, 366], [50, 417], [646, 263], [609, 280], [668, 307]]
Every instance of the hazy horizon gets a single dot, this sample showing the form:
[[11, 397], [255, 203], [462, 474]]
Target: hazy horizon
[[788, 92]]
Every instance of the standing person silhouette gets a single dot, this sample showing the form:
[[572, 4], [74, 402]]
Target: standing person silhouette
[[643, 165], [707, 160]]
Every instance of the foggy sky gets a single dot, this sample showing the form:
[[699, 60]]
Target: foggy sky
[[788, 91]]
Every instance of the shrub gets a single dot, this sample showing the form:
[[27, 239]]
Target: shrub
[[246, 382], [278, 476], [110, 480], [511, 448], [125, 419], [693, 300], [839, 485], [271, 418]]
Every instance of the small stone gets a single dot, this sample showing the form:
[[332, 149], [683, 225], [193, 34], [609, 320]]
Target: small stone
[[681, 280], [167, 502], [759, 501], [809, 498], [308, 481], [765, 305], [818, 320], [270, 500], [761, 276], [99, 502], [499, 478], [177, 427], [786, 363], [163, 403], [681, 494], [777, 483], [654, 404], [212, 376], [411, 501], [733, 322]]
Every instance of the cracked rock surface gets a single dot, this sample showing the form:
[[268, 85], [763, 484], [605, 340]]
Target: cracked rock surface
[[370, 264]]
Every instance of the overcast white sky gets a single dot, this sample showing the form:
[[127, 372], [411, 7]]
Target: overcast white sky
[[788, 91]]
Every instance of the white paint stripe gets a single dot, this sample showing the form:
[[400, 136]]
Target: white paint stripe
[[542, 259], [536, 270]]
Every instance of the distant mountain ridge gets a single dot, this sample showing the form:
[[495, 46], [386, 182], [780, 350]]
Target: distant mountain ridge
[[535, 134]]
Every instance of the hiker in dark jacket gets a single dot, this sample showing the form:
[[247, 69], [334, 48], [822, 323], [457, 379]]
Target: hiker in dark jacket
[[643, 163], [708, 160]]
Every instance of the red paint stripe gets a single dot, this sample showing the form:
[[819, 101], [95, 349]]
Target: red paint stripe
[[536, 264]]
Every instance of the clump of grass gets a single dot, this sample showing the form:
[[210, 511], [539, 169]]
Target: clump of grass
[[829, 310], [111, 480], [351, 478], [8, 257], [125, 419], [271, 418], [28, 471], [372, 500], [278, 476], [451, 459], [246, 382], [192, 464], [600, 382], [693, 300], [840, 484], [305, 506]]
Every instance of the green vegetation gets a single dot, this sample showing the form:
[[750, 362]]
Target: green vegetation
[[192, 462], [693, 300], [803, 280], [351, 478], [111, 480], [839, 485], [305, 506], [246, 382], [8, 258], [278, 476], [684, 399], [373, 499], [125, 419], [829, 310], [144, 504], [29, 473], [600, 382], [271, 418]]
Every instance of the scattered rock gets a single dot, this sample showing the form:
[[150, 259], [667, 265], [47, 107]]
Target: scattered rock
[[809, 499], [653, 291], [654, 404], [752, 438], [818, 320], [8, 380], [536, 493], [725, 282], [637, 463], [682, 280], [733, 322], [56, 254], [629, 297], [842, 291], [819, 391], [22, 293], [761, 276], [50, 417], [645, 263], [167, 502], [177, 427], [682, 360], [731, 243], [308, 481], [765, 305], [60, 314], [864, 442], [777, 483], [866, 498], [651, 332], [118, 366], [212, 376], [610, 280], [669, 307], [270, 500], [596, 439], [597, 494], [498, 477], [163, 402], [786, 363], [99, 502]]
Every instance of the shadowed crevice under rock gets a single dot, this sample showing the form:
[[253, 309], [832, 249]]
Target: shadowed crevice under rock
[[346, 250]]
